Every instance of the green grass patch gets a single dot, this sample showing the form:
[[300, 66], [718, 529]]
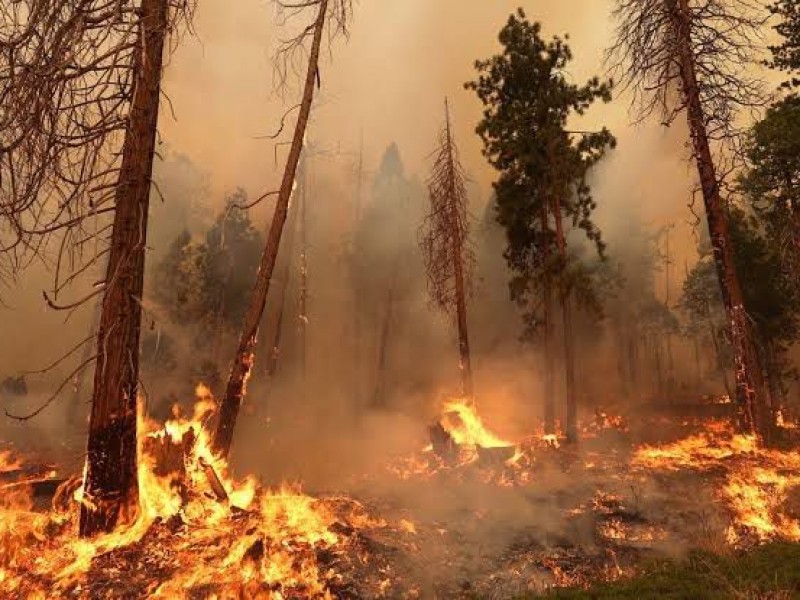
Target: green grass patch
[[768, 572]]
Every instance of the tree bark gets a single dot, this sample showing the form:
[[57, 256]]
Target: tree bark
[[754, 416], [243, 361], [110, 483], [566, 318]]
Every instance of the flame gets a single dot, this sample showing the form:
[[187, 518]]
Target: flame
[[756, 483], [218, 534], [463, 423]]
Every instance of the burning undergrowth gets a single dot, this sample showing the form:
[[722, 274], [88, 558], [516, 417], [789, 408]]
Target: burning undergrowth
[[198, 533], [471, 514]]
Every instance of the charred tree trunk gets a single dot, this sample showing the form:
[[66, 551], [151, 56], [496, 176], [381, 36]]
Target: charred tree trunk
[[753, 414], [566, 318], [243, 361], [110, 484]]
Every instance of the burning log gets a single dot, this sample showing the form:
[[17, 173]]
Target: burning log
[[214, 481], [443, 443], [26, 473]]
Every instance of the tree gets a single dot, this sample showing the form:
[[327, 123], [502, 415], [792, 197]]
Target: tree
[[80, 86], [543, 167], [772, 180], [336, 12], [204, 284], [445, 244], [701, 51], [786, 55]]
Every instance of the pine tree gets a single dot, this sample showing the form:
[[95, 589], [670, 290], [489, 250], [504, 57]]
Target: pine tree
[[543, 170], [445, 244]]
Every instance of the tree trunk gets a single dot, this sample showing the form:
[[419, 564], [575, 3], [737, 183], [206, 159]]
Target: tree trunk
[[569, 352], [465, 361], [110, 482], [274, 328], [753, 417], [243, 361], [379, 396], [659, 368], [549, 387], [773, 374]]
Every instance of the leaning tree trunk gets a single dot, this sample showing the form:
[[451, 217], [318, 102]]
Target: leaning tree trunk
[[549, 387], [274, 329], [110, 483], [753, 416], [569, 351], [243, 361]]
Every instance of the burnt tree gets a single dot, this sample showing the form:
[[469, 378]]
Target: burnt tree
[[80, 86], [448, 258], [335, 11], [701, 51], [110, 481]]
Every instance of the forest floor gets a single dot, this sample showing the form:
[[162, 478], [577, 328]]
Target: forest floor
[[678, 507]]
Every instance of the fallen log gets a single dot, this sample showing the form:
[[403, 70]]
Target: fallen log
[[26, 473]]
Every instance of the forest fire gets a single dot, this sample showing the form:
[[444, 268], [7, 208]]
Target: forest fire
[[199, 532], [327, 257], [755, 483], [196, 530]]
